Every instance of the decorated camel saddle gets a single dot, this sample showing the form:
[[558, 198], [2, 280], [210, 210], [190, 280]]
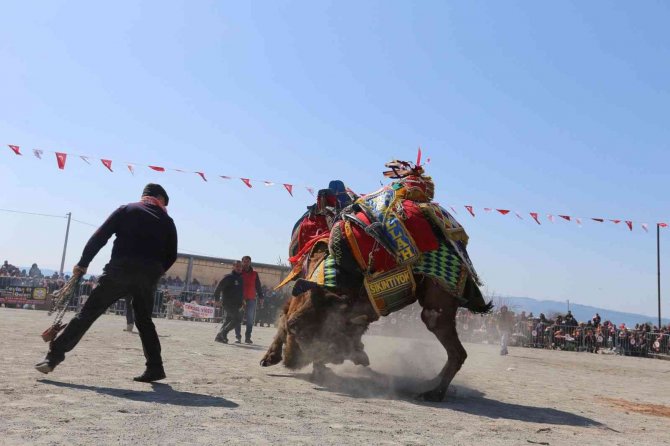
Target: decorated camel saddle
[[386, 239]]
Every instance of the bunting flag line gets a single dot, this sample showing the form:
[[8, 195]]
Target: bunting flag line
[[61, 159], [107, 164]]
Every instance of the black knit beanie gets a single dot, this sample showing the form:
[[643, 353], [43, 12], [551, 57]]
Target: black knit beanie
[[154, 190]]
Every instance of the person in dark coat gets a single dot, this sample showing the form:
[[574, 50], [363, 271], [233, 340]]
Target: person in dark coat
[[145, 247], [230, 292]]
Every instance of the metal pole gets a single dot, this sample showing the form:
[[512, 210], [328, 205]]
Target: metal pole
[[658, 269], [67, 233]]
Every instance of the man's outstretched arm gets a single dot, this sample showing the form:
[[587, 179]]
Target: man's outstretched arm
[[99, 239]]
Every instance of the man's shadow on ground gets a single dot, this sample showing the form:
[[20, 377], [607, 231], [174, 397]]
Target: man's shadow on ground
[[161, 393], [366, 383]]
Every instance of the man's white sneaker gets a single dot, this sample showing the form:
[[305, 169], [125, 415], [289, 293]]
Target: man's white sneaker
[[44, 367]]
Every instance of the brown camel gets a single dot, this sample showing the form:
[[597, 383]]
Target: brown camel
[[320, 326]]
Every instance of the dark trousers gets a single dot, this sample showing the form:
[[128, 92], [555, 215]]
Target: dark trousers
[[115, 283], [249, 319], [233, 317]]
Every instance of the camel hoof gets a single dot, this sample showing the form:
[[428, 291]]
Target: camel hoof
[[360, 358], [268, 361], [433, 396]]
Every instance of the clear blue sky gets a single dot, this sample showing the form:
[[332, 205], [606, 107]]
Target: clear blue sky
[[555, 107]]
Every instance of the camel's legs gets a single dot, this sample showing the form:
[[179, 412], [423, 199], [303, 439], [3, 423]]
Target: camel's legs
[[439, 315], [274, 354]]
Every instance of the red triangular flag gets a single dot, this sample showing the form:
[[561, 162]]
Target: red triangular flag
[[600, 220], [131, 169], [60, 159], [107, 164], [16, 149], [310, 190], [469, 208], [289, 188], [616, 222], [663, 225], [202, 175], [565, 217], [629, 224], [534, 215], [246, 181], [157, 168], [503, 211], [418, 157]]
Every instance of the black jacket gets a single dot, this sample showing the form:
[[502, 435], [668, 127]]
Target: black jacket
[[145, 236], [230, 290]]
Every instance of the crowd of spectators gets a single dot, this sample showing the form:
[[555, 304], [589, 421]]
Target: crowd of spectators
[[558, 332]]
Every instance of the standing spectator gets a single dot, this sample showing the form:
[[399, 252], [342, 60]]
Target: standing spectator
[[505, 322], [596, 320], [130, 316], [145, 247], [230, 291], [252, 288], [169, 307]]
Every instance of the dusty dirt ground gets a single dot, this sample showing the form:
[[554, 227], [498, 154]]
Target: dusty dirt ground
[[218, 394]]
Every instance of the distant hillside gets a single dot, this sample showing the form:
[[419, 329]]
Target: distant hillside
[[582, 313]]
